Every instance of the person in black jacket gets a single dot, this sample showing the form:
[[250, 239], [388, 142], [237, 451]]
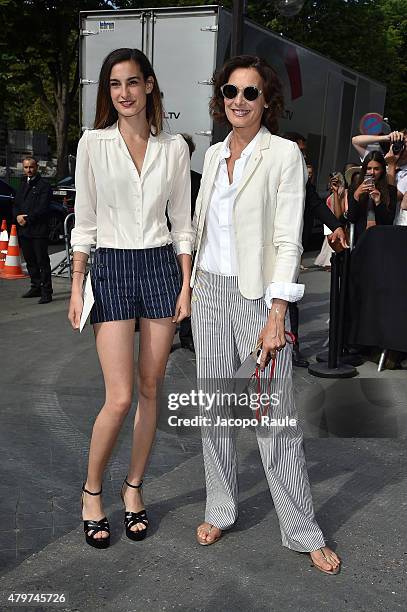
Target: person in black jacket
[[31, 208], [185, 331], [374, 200], [314, 207]]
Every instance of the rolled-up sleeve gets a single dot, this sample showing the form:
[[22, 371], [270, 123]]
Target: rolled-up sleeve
[[290, 292], [289, 217], [84, 233], [179, 204]]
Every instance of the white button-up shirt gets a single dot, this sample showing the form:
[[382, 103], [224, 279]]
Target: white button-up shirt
[[218, 252], [115, 207]]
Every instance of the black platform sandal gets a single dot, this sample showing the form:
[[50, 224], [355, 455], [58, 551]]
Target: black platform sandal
[[132, 518], [95, 526]]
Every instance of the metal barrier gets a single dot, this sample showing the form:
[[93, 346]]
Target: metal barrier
[[66, 261], [67, 241]]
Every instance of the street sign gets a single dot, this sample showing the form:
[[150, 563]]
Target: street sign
[[371, 123]]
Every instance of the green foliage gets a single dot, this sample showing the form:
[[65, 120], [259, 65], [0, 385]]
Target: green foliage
[[366, 35], [39, 52], [39, 65]]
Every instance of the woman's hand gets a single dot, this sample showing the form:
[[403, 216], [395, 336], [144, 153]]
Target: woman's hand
[[75, 309], [376, 196], [272, 336], [363, 188], [183, 305], [337, 240], [395, 136], [335, 184]]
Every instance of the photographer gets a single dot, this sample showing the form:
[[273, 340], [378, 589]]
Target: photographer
[[374, 200], [394, 148]]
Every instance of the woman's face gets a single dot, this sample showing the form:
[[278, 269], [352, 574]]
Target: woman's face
[[374, 169], [128, 89], [242, 113]]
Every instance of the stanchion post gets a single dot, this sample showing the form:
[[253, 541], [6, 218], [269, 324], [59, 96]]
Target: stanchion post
[[333, 312], [333, 369], [342, 301]]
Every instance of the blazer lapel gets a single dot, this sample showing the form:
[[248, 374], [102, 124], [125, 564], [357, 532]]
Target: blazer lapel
[[255, 159], [26, 187], [208, 186], [30, 184]]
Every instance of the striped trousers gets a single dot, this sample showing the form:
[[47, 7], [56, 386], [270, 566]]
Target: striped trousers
[[225, 327]]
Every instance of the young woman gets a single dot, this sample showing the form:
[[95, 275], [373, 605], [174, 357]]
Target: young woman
[[127, 170], [374, 200], [248, 223]]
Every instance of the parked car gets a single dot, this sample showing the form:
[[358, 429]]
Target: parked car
[[7, 195], [63, 202]]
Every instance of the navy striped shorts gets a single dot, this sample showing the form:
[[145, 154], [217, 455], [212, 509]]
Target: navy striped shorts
[[132, 283]]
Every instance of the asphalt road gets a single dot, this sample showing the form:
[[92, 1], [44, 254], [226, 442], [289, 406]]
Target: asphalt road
[[355, 441]]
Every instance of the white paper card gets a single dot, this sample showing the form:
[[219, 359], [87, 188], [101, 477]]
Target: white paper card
[[88, 301]]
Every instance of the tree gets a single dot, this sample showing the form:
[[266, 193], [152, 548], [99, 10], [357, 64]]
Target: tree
[[39, 39], [39, 60], [369, 36]]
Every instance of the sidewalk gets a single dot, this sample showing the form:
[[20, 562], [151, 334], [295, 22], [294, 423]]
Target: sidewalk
[[51, 391]]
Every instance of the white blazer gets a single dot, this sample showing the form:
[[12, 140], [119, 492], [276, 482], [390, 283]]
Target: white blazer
[[267, 214], [117, 208]]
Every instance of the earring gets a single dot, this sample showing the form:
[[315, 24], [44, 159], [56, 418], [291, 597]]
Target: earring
[[266, 106]]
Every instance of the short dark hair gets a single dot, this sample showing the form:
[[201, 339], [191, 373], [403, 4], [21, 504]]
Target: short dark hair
[[271, 89], [106, 114], [29, 158]]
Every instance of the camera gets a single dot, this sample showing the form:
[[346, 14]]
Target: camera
[[385, 147], [398, 147]]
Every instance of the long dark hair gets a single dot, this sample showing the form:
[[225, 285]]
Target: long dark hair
[[271, 90], [382, 184], [106, 114]]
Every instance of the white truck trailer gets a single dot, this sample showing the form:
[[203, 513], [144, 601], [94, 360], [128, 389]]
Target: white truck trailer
[[324, 100]]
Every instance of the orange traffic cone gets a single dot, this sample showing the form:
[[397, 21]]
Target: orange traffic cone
[[12, 266], [3, 243]]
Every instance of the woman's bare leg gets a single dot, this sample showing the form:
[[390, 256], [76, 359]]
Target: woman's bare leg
[[115, 347], [156, 336]]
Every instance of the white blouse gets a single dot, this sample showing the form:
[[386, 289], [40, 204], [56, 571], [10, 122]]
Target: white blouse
[[117, 208], [218, 253]]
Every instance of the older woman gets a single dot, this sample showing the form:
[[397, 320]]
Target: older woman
[[248, 223]]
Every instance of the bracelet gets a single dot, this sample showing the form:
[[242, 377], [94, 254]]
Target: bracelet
[[78, 272]]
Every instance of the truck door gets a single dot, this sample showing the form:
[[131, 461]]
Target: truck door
[[337, 122], [99, 36], [183, 55]]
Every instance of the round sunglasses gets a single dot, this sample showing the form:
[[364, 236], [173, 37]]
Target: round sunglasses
[[250, 93]]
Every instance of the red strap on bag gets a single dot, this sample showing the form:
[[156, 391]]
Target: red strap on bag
[[259, 413]]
